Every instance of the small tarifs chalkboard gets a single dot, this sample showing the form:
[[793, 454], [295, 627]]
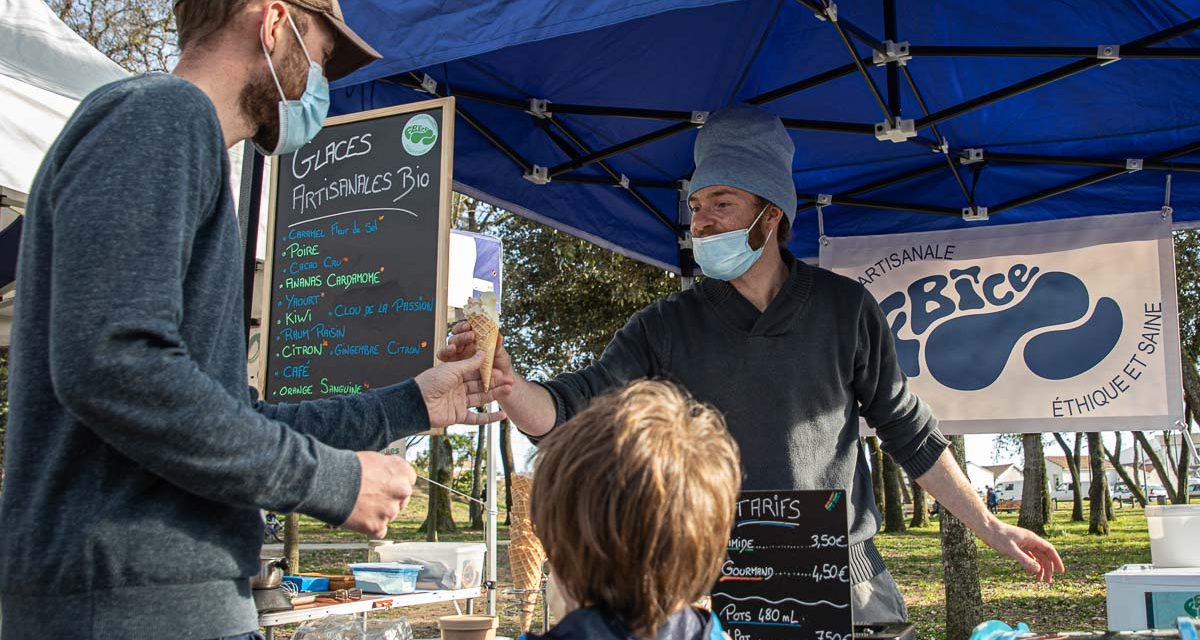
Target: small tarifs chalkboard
[[358, 245], [787, 574]]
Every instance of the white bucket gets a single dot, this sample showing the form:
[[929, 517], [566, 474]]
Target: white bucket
[[1174, 531]]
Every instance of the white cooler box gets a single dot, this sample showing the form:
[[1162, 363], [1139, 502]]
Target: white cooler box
[[1143, 597], [444, 565]]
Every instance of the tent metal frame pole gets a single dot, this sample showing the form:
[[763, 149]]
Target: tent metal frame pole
[[617, 179], [629, 145], [987, 51], [1048, 77], [944, 144], [890, 33], [829, 125], [807, 83], [491, 137], [620, 112], [864, 36], [470, 119], [575, 178], [249, 208], [879, 204], [883, 183], [831, 15], [1024, 158], [1092, 179]]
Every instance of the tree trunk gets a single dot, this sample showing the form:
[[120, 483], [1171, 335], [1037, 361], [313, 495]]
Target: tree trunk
[[1132, 483], [506, 459], [477, 480], [1033, 513], [919, 518], [435, 492], [1163, 477], [960, 567], [446, 476], [1047, 506], [1076, 485], [876, 454], [441, 469], [893, 515], [291, 542], [1184, 468], [1099, 520], [1169, 451], [1108, 500]]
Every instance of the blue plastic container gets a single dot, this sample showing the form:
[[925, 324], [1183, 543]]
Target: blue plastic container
[[391, 578], [308, 583]]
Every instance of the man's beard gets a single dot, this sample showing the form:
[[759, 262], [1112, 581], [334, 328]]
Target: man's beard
[[259, 99]]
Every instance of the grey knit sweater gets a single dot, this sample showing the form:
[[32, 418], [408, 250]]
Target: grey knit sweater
[[792, 382], [136, 458]]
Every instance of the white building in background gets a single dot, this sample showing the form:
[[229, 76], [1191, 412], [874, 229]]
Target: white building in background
[[1007, 472], [980, 477]]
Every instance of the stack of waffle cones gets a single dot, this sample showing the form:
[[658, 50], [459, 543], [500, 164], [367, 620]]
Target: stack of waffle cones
[[481, 313], [525, 553]]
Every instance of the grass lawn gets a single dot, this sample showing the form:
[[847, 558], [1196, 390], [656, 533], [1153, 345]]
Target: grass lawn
[[1074, 602]]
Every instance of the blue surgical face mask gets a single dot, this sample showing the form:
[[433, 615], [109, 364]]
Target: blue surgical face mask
[[726, 256], [299, 120]]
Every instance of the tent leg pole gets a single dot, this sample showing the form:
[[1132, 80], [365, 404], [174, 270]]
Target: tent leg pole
[[493, 448]]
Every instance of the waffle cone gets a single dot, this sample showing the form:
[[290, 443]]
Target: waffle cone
[[526, 557], [525, 552], [487, 335]]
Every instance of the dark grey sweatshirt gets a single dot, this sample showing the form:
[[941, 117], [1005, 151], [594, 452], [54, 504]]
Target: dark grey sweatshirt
[[137, 459], [792, 382]]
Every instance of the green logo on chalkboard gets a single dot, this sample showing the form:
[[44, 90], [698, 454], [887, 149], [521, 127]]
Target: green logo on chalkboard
[[1193, 607], [420, 134]]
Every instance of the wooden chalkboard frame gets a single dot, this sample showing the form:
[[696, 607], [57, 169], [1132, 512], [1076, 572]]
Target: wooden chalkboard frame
[[438, 330]]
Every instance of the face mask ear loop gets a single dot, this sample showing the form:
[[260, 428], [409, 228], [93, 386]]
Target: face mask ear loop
[[298, 38], [262, 39]]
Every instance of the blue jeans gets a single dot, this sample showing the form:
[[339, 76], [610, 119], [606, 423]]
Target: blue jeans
[[254, 635]]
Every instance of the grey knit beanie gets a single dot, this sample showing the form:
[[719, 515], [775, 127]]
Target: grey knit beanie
[[745, 147]]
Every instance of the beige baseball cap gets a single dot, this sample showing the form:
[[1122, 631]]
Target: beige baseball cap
[[351, 52]]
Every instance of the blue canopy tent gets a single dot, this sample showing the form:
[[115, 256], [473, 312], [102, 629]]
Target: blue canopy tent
[[906, 115]]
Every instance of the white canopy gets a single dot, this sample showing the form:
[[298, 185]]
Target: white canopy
[[45, 69]]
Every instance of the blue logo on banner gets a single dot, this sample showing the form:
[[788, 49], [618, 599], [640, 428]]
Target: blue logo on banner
[[969, 352]]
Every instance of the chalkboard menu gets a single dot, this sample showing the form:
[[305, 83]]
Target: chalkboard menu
[[787, 574], [358, 244]]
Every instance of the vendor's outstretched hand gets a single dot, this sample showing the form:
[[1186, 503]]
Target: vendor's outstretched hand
[[451, 389], [1036, 556], [461, 345]]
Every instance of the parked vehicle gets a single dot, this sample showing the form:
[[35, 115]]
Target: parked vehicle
[[1194, 489], [1064, 493], [1010, 491]]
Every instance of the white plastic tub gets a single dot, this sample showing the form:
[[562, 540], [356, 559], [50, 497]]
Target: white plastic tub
[[444, 565], [1174, 535], [1141, 596]]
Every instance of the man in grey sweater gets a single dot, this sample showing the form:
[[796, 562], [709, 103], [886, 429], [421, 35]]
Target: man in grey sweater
[[791, 354], [137, 458]]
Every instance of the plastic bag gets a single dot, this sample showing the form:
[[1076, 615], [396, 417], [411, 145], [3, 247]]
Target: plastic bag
[[351, 627]]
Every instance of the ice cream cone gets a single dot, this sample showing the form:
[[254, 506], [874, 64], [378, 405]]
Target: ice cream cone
[[482, 316]]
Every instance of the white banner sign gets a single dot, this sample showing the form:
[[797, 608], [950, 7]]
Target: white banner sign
[[1065, 325]]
